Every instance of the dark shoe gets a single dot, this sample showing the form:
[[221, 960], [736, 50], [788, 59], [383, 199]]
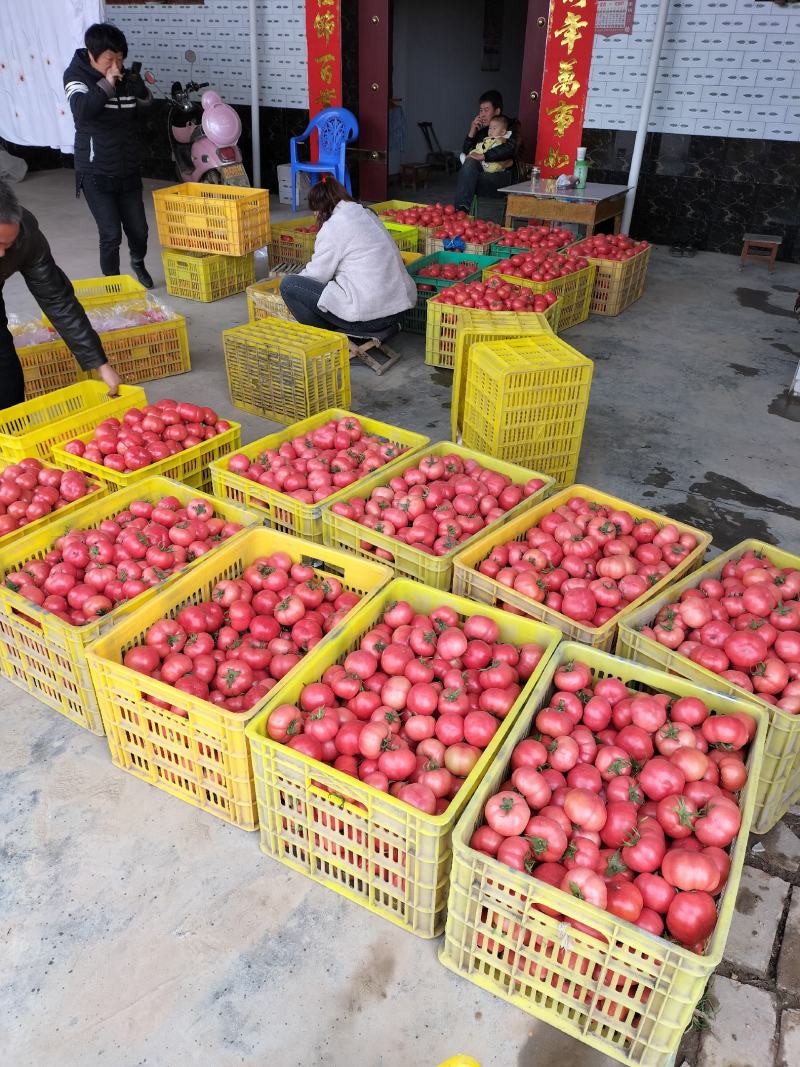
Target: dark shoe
[[142, 274]]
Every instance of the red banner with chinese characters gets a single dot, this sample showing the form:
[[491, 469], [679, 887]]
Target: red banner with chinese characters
[[324, 36], [570, 36]]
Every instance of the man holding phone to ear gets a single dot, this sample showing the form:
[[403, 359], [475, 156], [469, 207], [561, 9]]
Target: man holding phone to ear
[[473, 178], [106, 100]]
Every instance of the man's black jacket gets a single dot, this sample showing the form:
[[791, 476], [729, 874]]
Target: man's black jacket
[[30, 255]]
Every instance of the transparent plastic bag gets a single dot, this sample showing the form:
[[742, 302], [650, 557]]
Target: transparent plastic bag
[[129, 314]]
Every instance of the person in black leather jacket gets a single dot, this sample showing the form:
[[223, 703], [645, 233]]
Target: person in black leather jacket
[[23, 248], [106, 101], [472, 178]]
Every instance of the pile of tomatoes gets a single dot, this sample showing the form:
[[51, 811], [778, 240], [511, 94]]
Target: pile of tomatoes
[[428, 216], [626, 800], [610, 246], [471, 231], [744, 626], [588, 561], [541, 266], [451, 272], [495, 295], [436, 504], [412, 709], [232, 649], [29, 491], [317, 464], [539, 237], [87, 573], [147, 435]]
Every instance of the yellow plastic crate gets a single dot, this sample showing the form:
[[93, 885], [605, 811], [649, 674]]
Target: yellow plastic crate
[[469, 582], [35, 426], [405, 237], [205, 276], [195, 217], [202, 759], [526, 403], [283, 371], [410, 562], [110, 289], [264, 301], [189, 466], [287, 245], [146, 353], [617, 285], [479, 248], [48, 366], [96, 492], [574, 292], [423, 232], [779, 785], [446, 322], [46, 656], [281, 510], [475, 327], [410, 257], [627, 993], [365, 844]]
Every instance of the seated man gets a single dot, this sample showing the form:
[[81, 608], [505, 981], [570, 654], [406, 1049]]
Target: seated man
[[473, 178]]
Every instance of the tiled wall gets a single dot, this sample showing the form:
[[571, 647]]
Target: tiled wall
[[728, 68], [218, 31]]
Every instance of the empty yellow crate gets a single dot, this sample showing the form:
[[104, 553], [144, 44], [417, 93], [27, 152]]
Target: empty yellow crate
[[574, 292], [480, 326], [110, 289], [618, 284], [281, 510], [526, 403], [468, 581], [189, 466], [625, 992], [383, 208], [292, 240], [46, 656], [779, 785], [195, 217], [205, 276], [284, 371], [35, 426], [410, 562], [446, 322], [365, 844], [204, 758], [264, 300], [405, 237]]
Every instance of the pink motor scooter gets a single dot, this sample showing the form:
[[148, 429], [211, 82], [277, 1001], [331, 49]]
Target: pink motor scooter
[[203, 134]]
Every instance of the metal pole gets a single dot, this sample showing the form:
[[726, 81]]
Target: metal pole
[[255, 129], [644, 114]]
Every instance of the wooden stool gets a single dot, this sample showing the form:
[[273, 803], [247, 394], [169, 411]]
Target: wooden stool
[[373, 350], [769, 244], [412, 173]]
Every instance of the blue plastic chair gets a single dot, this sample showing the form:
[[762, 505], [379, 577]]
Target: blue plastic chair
[[336, 127]]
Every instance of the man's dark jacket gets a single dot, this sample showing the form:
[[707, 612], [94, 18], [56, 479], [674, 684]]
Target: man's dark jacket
[[30, 255]]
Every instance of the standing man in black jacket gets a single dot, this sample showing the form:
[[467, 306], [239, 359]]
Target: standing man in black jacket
[[472, 178], [106, 100], [23, 248]]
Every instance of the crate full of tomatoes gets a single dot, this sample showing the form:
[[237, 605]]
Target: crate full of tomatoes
[[365, 761], [464, 235], [536, 238], [178, 679], [71, 580], [579, 561], [620, 270], [596, 868], [734, 626], [436, 272], [568, 274]]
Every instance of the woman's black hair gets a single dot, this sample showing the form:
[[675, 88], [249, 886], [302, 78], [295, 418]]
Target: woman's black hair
[[325, 195], [103, 37]]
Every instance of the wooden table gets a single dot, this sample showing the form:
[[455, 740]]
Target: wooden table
[[587, 207]]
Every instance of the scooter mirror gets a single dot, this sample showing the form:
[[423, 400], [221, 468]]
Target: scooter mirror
[[190, 56], [149, 77]]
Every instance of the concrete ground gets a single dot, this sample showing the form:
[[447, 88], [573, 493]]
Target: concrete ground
[[139, 931]]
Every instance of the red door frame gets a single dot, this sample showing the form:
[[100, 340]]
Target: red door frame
[[374, 78], [532, 74], [374, 87]]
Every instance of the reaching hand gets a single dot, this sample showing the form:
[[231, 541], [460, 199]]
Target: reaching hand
[[110, 377]]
